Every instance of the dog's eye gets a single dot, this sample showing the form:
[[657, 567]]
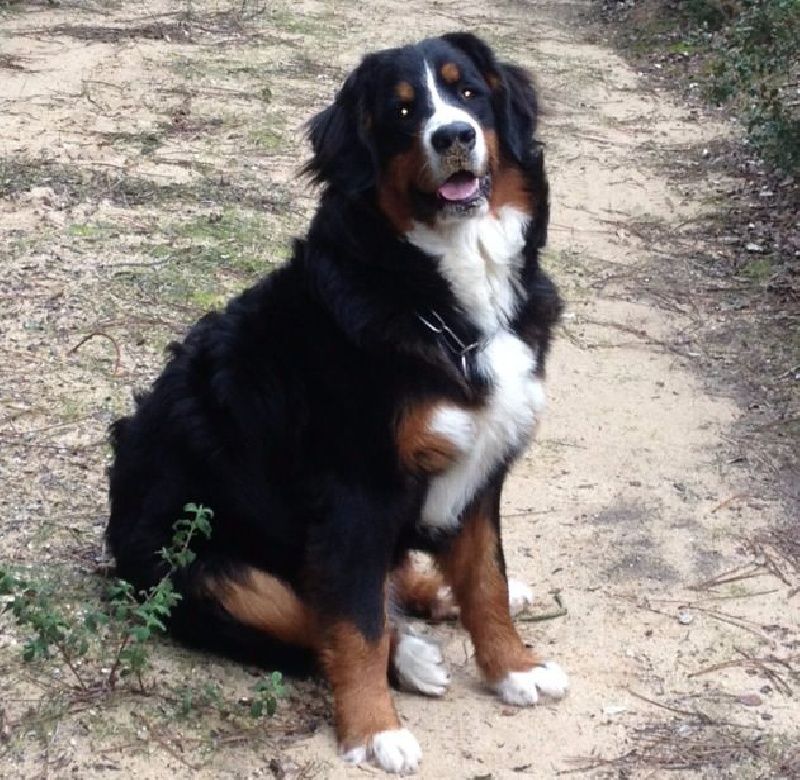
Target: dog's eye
[[404, 110], [467, 93]]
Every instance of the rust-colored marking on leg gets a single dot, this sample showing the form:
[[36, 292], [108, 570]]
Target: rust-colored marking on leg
[[356, 668], [262, 601], [472, 568]]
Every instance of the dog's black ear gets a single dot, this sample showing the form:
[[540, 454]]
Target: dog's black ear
[[513, 94], [343, 154]]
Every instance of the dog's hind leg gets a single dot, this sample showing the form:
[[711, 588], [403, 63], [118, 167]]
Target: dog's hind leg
[[422, 594], [262, 602]]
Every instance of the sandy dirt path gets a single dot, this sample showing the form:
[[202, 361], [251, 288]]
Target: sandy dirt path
[[630, 503]]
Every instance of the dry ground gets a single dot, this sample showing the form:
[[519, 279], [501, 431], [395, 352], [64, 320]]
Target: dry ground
[[147, 172]]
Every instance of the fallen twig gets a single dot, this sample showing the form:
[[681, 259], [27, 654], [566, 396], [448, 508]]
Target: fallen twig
[[117, 350], [557, 613], [732, 575], [727, 501]]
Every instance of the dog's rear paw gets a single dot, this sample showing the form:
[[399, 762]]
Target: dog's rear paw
[[420, 666], [395, 751], [523, 689], [444, 605]]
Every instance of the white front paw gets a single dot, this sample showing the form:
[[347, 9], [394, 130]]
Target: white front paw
[[522, 689], [420, 666], [396, 751], [520, 596]]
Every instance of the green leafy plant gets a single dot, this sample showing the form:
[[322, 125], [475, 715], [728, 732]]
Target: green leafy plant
[[114, 638], [192, 701], [756, 69], [118, 634], [53, 633], [266, 693], [742, 53]]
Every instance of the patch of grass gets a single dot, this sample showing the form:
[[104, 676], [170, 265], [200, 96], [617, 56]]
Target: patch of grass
[[145, 142], [205, 260], [235, 239], [74, 184], [206, 300], [682, 47], [93, 231], [758, 270], [312, 25], [266, 138]]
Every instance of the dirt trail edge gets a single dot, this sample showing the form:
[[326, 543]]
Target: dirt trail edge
[[147, 171]]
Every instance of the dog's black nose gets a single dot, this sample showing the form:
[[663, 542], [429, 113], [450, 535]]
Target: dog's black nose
[[456, 132]]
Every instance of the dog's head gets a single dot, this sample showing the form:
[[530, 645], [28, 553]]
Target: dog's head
[[437, 131]]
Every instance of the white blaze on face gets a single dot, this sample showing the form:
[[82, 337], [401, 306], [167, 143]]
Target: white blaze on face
[[445, 113]]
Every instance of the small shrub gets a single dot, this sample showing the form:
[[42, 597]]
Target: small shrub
[[117, 635], [266, 692], [757, 69], [102, 645], [743, 53]]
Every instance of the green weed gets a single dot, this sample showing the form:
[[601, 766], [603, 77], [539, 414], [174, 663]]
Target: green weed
[[102, 644], [742, 53], [145, 142], [115, 635], [266, 693]]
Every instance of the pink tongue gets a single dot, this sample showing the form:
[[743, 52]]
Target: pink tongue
[[459, 190]]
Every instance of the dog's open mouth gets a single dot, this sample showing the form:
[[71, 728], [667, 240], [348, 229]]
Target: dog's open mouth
[[461, 188]]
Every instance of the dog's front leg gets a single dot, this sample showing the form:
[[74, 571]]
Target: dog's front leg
[[473, 565], [367, 725], [350, 571]]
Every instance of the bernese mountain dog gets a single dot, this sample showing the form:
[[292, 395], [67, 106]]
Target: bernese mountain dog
[[363, 401]]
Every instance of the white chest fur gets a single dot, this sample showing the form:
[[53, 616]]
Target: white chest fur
[[486, 437], [481, 259]]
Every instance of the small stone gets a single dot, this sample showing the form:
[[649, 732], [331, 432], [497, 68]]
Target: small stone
[[685, 617], [749, 699]]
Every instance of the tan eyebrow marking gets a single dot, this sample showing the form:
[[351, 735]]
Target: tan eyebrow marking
[[404, 91], [450, 72]]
